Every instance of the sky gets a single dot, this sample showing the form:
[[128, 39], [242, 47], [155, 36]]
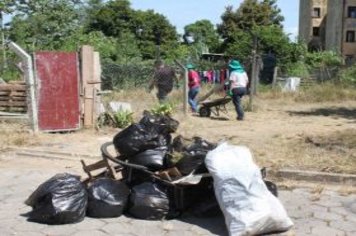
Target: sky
[[183, 12]]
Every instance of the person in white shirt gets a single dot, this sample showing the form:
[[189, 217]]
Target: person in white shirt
[[238, 86]]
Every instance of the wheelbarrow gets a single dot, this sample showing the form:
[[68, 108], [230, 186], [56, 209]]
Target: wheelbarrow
[[214, 106]]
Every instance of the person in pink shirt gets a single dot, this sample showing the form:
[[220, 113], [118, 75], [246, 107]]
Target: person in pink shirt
[[194, 87]]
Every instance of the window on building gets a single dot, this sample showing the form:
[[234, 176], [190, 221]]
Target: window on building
[[351, 12], [316, 12], [350, 36], [316, 31]]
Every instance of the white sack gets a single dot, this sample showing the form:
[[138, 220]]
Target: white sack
[[249, 208]]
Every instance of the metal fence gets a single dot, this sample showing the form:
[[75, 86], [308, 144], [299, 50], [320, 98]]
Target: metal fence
[[115, 76]]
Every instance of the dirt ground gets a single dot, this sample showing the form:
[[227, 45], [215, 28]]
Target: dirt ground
[[319, 136]]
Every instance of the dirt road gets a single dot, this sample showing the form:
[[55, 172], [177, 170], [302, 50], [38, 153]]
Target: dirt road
[[302, 136]]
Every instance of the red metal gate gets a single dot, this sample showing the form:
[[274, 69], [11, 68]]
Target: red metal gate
[[57, 91]]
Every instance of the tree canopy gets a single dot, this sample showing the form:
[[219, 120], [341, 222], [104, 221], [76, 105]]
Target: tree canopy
[[45, 24], [204, 32], [122, 34], [252, 18]]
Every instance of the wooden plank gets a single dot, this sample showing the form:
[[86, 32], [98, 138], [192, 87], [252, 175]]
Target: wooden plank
[[15, 109], [88, 107], [5, 93], [87, 55], [97, 77], [9, 98], [97, 70], [20, 82], [13, 104], [93, 82], [12, 87], [13, 93]]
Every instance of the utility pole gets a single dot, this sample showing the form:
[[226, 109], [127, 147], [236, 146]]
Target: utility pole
[[253, 87], [185, 86]]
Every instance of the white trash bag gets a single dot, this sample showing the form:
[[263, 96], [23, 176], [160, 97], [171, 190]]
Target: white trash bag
[[249, 208]]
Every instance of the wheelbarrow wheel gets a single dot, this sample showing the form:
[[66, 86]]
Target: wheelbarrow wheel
[[204, 111]]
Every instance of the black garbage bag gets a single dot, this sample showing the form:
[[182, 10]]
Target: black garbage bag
[[60, 200], [151, 132], [198, 199], [164, 124], [181, 144], [192, 162], [208, 207], [107, 198], [153, 159], [194, 156], [272, 187], [200, 145], [138, 138], [149, 201]]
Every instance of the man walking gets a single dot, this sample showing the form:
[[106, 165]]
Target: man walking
[[163, 79]]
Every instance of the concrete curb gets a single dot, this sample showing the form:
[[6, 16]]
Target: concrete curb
[[283, 174], [315, 177], [27, 152]]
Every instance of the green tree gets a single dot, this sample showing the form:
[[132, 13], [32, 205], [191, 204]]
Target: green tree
[[204, 32], [127, 49], [254, 18], [112, 18], [45, 24], [152, 30], [117, 19], [106, 46], [6, 7]]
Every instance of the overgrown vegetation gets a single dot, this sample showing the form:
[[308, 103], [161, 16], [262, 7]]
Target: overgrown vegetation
[[330, 91], [163, 109], [348, 76], [12, 134], [310, 62], [123, 118], [120, 119]]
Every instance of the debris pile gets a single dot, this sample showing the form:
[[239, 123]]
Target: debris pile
[[155, 177]]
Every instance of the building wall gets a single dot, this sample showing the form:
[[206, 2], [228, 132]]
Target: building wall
[[349, 25], [334, 24], [304, 20], [307, 22]]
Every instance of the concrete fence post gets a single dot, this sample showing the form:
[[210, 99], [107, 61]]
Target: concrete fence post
[[30, 81]]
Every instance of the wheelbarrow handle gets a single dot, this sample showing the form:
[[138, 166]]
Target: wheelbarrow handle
[[118, 160]]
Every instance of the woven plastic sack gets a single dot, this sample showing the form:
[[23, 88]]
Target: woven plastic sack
[[248, 207]]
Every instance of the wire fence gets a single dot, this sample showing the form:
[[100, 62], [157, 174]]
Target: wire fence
[[116, 77]]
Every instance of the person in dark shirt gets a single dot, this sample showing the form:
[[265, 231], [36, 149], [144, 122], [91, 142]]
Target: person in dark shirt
[[163, 79]]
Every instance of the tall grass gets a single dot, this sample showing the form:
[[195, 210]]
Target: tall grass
[[12, 134], [324, 92]]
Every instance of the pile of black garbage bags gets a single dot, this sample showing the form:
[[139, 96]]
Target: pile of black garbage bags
[[149, 143]]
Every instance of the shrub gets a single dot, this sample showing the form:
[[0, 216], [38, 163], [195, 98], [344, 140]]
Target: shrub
[[163, 109], [323, 58], [123, 118], [298, 69], [348, 75]]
